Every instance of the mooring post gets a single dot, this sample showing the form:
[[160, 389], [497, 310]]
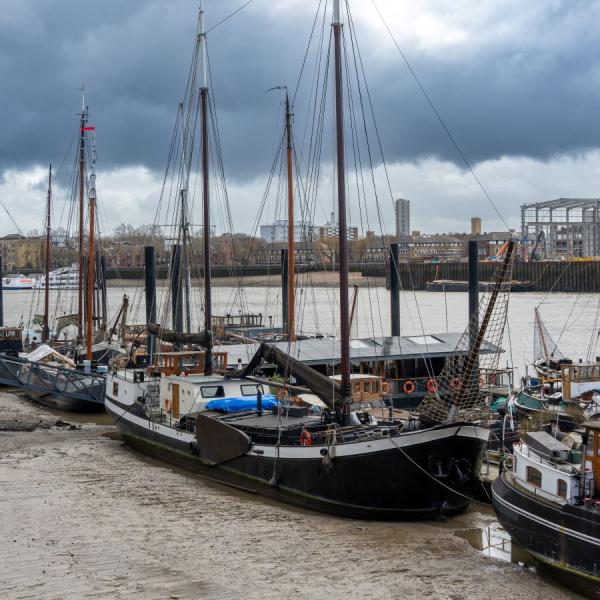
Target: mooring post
[[284, 289], [395, 289], [474, 299], [150, 286], [176, 295]]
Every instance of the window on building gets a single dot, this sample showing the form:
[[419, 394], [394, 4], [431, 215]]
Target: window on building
[[561, 488], [534, 476]]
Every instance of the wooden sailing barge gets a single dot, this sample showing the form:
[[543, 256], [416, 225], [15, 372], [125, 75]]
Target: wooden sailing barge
[[345, 460]]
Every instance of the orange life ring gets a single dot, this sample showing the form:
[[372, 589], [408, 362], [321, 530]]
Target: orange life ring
[[168, 405], [431, 386], [305, 438], [408, 387], [455, 383], [385, 387]]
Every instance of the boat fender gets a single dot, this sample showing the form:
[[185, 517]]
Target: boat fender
[[431, 386], [194, 448], [408, 388], [385, 388], [305, 438]]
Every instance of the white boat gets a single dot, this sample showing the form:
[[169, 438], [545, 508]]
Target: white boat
[[19, 282], [66, 278]]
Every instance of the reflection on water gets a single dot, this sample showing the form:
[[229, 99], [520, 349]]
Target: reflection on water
[[495, 542]]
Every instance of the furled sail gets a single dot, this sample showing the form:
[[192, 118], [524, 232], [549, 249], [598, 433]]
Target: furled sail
[[176, 337]]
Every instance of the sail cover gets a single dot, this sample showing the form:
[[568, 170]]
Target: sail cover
[[329, 390], [176, 337]]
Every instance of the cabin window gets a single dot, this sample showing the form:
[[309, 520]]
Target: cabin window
[[115, 388], [251, 390], [212, 391], [561, 488], [534, 477]]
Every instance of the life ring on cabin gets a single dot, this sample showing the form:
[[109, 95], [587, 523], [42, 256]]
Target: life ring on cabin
[[305, 438], [168, 405], [431, 386], [408, 388], [385, 388], [455, 383]]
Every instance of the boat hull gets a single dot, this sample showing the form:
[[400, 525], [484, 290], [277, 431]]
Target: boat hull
[[565, 538], [433, 473]]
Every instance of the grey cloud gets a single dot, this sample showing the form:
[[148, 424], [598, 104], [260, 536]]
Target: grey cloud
[[531, 93]]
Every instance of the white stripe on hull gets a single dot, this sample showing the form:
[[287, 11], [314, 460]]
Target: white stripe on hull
[[411, 438]]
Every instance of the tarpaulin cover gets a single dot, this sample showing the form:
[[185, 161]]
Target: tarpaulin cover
[[242, 403]]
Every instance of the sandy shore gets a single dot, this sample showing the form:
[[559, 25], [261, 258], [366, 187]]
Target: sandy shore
[[317, 279], [84, 517]]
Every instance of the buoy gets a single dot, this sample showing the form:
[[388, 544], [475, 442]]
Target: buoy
[[455, 383], [305, 438], [385, 387], [168, 405], [431, 386], [408, 387]]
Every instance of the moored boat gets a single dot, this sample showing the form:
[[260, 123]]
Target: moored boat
[[549, 502]]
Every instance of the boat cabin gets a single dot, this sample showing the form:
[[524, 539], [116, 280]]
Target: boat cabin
[[579, 378], [550, 469], [184, 394], [591, 454], [190, 363]]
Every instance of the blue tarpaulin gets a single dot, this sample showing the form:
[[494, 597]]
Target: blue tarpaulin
[[243, 403]]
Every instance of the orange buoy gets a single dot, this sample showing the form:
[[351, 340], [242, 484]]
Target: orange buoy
[[408, 387], [385, 387], [431, 386]]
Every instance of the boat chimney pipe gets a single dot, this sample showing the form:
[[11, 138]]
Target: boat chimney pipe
[[259, 402], [1, 294], [394, 290], [284, 289], [150, 285], [473, 298], [176, 296]]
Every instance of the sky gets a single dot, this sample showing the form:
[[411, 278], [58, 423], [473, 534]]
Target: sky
[[516, 83]]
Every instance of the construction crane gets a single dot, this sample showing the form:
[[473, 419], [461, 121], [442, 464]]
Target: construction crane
[[11, 218]]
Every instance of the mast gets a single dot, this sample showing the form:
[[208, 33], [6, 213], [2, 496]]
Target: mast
[[291, 280], [45, 326], [341, 191], [205, 193], [541, 334], [89, 309], [81, 215]]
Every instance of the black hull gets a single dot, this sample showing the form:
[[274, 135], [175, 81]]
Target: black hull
[[386, 485], [66, 404], [566, 539]]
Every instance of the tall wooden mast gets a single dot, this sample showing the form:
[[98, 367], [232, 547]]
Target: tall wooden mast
[[205, 193], [89, 309], [342, 227], [291, 321], [81, 217], [45, 326]]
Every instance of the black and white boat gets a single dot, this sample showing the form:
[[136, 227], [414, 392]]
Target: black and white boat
[[549, 502], [346, 460]]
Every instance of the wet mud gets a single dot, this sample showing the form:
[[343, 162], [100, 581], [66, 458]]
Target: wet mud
[[84, 517]]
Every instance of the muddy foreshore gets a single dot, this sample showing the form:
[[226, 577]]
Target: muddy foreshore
[[83, 517]]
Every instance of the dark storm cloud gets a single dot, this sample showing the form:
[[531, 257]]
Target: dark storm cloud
[[533, 93]]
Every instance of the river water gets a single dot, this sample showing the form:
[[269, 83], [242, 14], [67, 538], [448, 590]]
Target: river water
[[84, 517], [570, 318]]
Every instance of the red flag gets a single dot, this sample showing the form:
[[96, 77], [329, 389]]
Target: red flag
[[90, 128]]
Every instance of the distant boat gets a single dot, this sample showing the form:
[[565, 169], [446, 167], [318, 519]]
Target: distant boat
[[65, 278], [451, 285], [19, 282]]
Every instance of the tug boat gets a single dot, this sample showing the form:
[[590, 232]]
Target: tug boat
[[548, 500]]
